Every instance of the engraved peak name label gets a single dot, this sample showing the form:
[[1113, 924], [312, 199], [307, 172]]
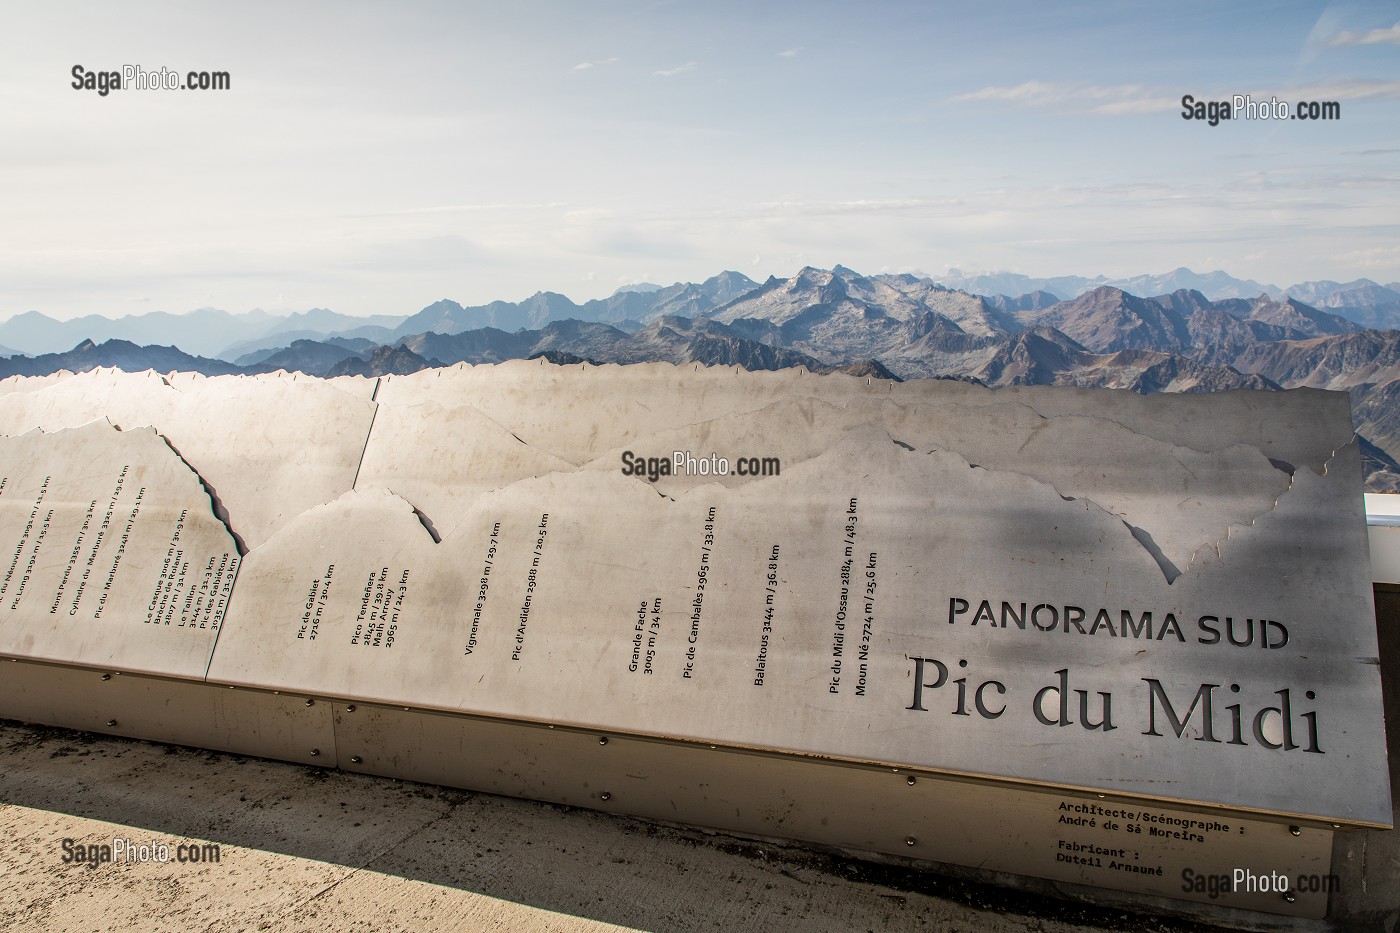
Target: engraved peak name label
[[846, 577], [697, 601], [770, 600], [532, 581], [315, 608], [483, 587], [646, 632], [382, 604]]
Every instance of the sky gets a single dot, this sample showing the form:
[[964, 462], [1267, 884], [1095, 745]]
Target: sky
[[372, 159]]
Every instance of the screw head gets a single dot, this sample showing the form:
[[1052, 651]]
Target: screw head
[[605, 796], [111, 723], [106, 676], [1295, 830], [910, 840], [911, 780], [310, 702], [315, 753], [1289, 896], [355, 759], [602, 740], [350, 708]]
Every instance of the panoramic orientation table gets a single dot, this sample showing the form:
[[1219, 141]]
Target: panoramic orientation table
[[1086, 636]]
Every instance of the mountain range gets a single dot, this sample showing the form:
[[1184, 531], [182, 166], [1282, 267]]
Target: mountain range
[[1341, 336], [239, 338]]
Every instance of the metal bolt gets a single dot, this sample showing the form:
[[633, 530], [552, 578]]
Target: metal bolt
[[350, 708], [315, 753], [355, 759], [603, 740], [111, 723], [911, 780], [910, 840], [106, 676], [1295, 830], [605, 796], [310, 702], [1289, 896]]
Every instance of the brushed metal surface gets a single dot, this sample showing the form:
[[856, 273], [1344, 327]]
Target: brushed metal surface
[[941, 576], [245, 722], [110, 554], [1082, 840], [593, 580]]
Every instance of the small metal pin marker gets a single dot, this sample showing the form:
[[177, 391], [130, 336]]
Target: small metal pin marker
[[355, 759], [1289, 896], [350, 708], [605, 796], [106, 676], [603, 740], [910, 840], [315, 753], [310, 702], [111, 723], [911, 780], [1295, 830]]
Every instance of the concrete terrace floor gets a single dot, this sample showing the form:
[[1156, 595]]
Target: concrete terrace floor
[[311, 849]]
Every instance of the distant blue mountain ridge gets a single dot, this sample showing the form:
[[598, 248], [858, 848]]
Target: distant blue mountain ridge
[[217, 334]]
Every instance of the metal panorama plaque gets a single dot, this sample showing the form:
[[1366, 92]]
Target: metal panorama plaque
[[1166, 597]]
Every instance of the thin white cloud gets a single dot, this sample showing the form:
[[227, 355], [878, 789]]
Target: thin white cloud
[[672, 72], [584, 66], [789, 53], [1344, 89], [1385, 35], [1377, 257], [466, 208], [1113, 101], [1135, 99]]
